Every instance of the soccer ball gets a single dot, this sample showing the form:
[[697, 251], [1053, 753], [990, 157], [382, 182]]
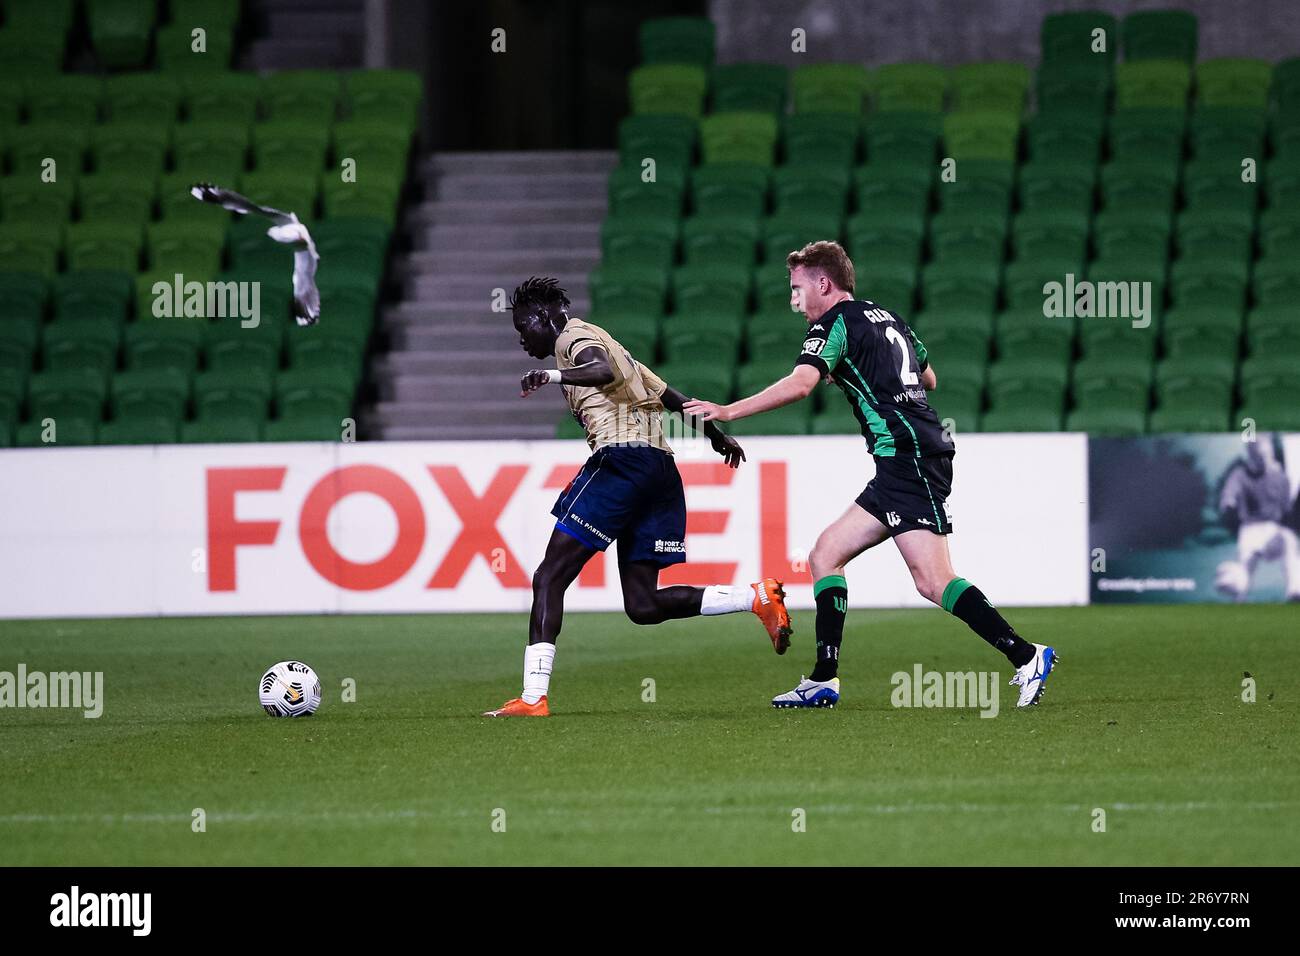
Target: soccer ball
[[289, 689]]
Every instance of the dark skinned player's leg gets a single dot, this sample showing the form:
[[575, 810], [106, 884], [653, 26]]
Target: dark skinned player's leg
[[565, 557], [646, 602]]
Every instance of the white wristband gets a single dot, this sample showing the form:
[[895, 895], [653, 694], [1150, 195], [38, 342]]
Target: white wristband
[[553, 376]]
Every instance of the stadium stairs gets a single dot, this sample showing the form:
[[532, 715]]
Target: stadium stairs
[[490, 220]]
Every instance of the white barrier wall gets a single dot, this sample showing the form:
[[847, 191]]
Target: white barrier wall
[[459, 526]]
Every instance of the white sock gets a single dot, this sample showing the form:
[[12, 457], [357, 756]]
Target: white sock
[[726, 599], [538, 660]]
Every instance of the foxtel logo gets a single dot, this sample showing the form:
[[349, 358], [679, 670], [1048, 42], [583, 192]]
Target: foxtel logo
[[103, 909]]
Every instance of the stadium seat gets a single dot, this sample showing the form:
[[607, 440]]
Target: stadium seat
[[740, 137], [1160, 34], [214, 430], [1071, 37], [630, 195], [772, 289], [1273, 330], [24, 54], [1135, 184], [139, 430], [960, 284], [93, 295], [890, 284], [1277, 282], [707, 380], [1188, 418], [1282, 183], [282, 190], [176, 53], [676, 40], [116, 198], [1107, 420], [1064, 136], [1233, 82], [71, 98], [1123, 233], [1216, 184], [1201, 330], [667, 139], [784, 233], [229, 347], [1197, 381], [910, 87], [304, 427], [64, 143], [164, 344], [981, 134], [289, 145], [726, 240], [240, 392], [211, 151], [1152, 83], [629, 289], [1216, 234], [793, 419], [894, 193], [142, 98], [81, 344], [668, 88], [27, 199], [120, 31], [1057, 186], [830, 88], [871, 238], [820, 139], [703, 287], [981, 187], [1079, 88], [65, 430], [150, 392], [387, 96], [22, 298], [1051, 234], [1147, 134], [902, 138], [999, 86], [1227, 131], [730, 189], [716, 335], [749, 87], [190, 248], [1112, 380], [1025, 334], [301, 96], [224, 97], [66, 394], [110, 245], [639, 241], [975, 237], [810, 190], [139, 149]]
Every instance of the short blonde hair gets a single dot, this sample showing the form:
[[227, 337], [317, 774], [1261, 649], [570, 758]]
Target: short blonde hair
[[827, 257]]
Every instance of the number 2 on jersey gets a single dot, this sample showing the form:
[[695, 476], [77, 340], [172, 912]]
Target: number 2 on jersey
[[905, 371]]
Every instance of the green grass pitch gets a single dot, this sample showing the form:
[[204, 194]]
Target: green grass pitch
[[1144, 720]]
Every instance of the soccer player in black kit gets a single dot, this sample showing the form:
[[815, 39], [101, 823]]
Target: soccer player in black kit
[[884, 372]]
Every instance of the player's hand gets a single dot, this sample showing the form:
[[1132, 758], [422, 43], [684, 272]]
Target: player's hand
[[532, 381], [705, 411], [729, 449]]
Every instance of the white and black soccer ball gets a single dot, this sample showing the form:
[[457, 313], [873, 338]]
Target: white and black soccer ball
[[289, 689]]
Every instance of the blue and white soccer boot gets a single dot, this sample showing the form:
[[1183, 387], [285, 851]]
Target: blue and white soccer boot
[[1032, 678], [810, 693]]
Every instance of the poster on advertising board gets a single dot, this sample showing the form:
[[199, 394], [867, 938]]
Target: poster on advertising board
[[1195, 518]]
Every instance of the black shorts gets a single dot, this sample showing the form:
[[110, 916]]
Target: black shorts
[[910, 494]]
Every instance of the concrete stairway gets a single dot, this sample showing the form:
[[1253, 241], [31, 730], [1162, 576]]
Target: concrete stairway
[[305, 34], [490, 220]]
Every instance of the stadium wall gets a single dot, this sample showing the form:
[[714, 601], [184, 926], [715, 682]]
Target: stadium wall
[[451, 526]]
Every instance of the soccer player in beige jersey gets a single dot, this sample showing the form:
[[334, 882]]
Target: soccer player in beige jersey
[[629, 490]]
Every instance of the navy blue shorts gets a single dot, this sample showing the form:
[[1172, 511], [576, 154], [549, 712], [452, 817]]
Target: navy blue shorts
[[631, 494]]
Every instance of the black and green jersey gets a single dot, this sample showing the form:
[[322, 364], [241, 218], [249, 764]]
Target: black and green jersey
[[877, 362]]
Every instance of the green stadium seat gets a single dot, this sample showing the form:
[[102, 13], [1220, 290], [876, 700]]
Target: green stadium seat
[[391, 96], [1201, 330], [794, 419], [149, 98], [1234, 82], [108, 245], [968, 236], [630, 196], [304, 426], [910, 87], [93, 295], [176, 53], [667, 139], [1025, 334], [1064, 136], [1112, 380], [629, 289], [301, 96], [1135, 184], [120, 31], [639, 241], [981, 134], [227, 393], [1279, 232], [72, 98], [1216, 234], [1154, 83], [690, 337], [210, 151], [740, 137], [639, 334], [897, 239], [369, 198], [204, 13], [1269, 413], [69, 393], [67, 430], [1277, 282], [676, 40], [1080, 88], [955, 332], [749, 87], [890, 284], [1147, 134], [810, 190], [894, 193], [1197, 381], [704, 287], [1274, 330], [375, 147], [229, 347], [116, 198], [1282, 183], [999, 86], [830, 88], [769, 366], [136, 148], [960, 284], [1050, 234], [289, 146], [725, 240], [958, 406], [1227, 131], [83, 343], [229, 98], [1122, 233], [1189, 418], [700, 379], [1216, 184], [214, 430], [164, 344], [31, 247], [668, 88], [836, 418], [772, 289], [981, 186], [24, 54], [64, 143], [820, 139], [783, 233], [1057, 186], [283, 190], [902, 138], [22, 297], [50, 16], [730, 189], [1107, 420], [190, 248], [27, 199], [1160, 34], [1071, 37], [140, 430], [149, 392]]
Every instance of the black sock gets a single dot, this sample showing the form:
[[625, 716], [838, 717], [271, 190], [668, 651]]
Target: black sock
[[966, 601], [832, 596]]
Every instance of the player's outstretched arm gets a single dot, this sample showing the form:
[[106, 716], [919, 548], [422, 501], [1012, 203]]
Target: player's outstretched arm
[[798, 385], [592, 370], [929, 379], [723, 444]]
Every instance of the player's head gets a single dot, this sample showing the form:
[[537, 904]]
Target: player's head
[[821, 274], [540, 310]]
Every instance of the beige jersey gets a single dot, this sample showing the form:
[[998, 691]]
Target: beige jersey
[[629, 409]]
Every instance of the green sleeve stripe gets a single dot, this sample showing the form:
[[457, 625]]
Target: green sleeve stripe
[[830, 581], [833, 350], [952, 592], [921, 352]]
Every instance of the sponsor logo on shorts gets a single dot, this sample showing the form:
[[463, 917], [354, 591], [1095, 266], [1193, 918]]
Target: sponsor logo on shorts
[[589, 527], [892, 519], [669, 547]]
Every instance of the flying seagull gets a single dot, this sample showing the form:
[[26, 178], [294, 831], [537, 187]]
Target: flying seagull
[[287, 228]]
